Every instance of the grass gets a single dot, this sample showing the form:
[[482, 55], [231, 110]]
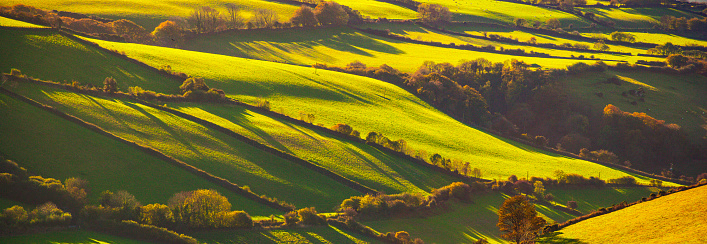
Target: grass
[[50, 146], [68, 237], [355, 161], [676, 218], [376, 9], [657, 38], [590, 199], [367, 105], [632, 18], [316, 234], [150, 13], [47, 55], [464, 223], [201, 147], [16, 23], [491, 11], [340, 46]]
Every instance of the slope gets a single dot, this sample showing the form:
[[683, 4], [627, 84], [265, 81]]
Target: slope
[[675, 218], [505, 12], [52, 147], [69, 236], [635, 18], [313, 234], [367, 105]]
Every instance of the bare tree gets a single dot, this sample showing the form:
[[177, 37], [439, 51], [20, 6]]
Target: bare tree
[[234, 18], [264, 18], [205, 19]]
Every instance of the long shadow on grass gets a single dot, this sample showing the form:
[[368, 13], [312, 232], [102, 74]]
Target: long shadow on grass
[[113, 115], [555, 238]]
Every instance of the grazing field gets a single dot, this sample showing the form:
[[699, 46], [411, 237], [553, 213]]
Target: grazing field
[[676, 218], [46, 55], [633, 18], [367, 105], [211, 151], [465, 223], [50, 146], [339, 46], [149, 14], [591, 199], [317, 234], [69, 237], [376, 9], [16, 23], [491, 11], [675, 99], [657, 38], [353, 160]]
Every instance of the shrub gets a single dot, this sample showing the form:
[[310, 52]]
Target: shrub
[[110, 85], [572, 205], [342, 128], [309, 216], [291, 218], [264, 104], [16, 72], [626, 180], [656, 182], [235, 219]]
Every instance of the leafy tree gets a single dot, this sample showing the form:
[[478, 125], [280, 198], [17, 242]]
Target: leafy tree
[[168, 34], [331, 13], [553, 23], [110, 85], [476, 172], [200, 208], [309, 216], [623, 37], [677, 60], [601, 46], [519, 22], [342, 128], [433, 13], [518, 220], [304, 16], [156, 214], [539, 190], [193, 84], [132, 32]]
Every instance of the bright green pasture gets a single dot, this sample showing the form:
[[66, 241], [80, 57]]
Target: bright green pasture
[[464, 223], [149, 14], [16, 23], [50, 146], [420, 33], [315, 234], [491, 11], [678, 99], [367, 105], [591, 199], [46, 55], [337, 46], [676, 218], [375, 9], [657, 38], [201, 147], [355, 161], [68, 237], [644, 18]]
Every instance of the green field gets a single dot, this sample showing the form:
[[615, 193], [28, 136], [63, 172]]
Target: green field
[[16, 23], [367, 105], [201, 147], [675, 99], [633, 18], [355, 161], [319, 234], [376, 9], [491, 11], [68, 237], [657, 38], [676, 218], [46, 55], [464, 223], [50, 146]]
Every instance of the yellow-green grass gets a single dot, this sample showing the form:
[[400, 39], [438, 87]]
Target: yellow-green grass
[[338, 46], [376, 9], [355, 161], [678, 99], [465, 223], [315, 234], [212, 151], [644, 18], [367, 105], [591, 199], [150, 13], [491, 11], [540, 38], [46, 55], [675, 218], [657, 38], [16, 23], [50, 146], [424, 34], [68, 237]]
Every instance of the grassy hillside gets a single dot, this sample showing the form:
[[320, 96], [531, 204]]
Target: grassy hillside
[[365, 104], [355, 161], [50, 146], [16, 23], [201, 147], [658, 38], [68, 237], [375, 9], [320, 234], [464, 223], [46, 55], [676, 218], [643, 18], [504, 12], [675, 99]]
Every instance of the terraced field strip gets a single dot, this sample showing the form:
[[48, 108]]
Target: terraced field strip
[[365, 104], [313, 234], [16, 23], [657, 38], [209, 150], [68, 236], [631, 18], [491, 11], [73, 148]]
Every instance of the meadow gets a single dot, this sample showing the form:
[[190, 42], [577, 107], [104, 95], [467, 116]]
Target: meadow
[[490, 11], [211, 151], [635, 18], [365, 104], [69, 150], [317, 234], [657, 38], [16, 23], [69, 237], [675, 218]]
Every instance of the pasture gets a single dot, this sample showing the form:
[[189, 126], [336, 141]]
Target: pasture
[[635, 18], [316, 234], [69, 237], [16, 23], [490, 11]]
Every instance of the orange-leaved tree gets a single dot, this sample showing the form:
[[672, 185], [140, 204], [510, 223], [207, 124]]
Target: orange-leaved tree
[[518, 220]]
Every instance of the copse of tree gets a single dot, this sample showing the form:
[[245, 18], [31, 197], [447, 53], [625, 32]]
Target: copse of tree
[[623, 37], [553, 23], [205, 19], [342, 128], [304, 16], [234, 19], [169, 34], [263, 18], [132, 32], [601, 46], [45, 215], [110, 85], [331, 13], [677, 60], [433, 13], [666, 49], [518, 220]]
